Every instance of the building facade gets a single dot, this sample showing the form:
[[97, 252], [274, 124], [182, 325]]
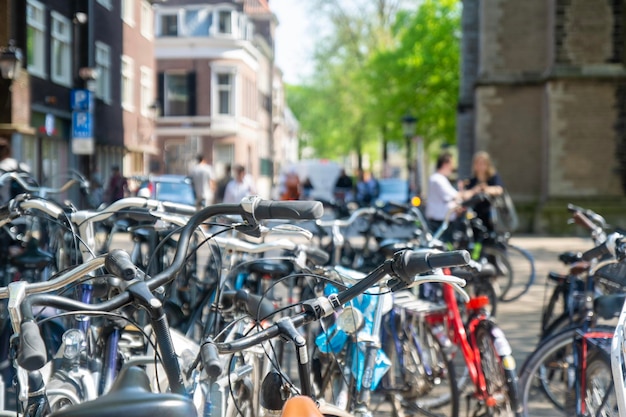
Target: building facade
[[543, 90], [92, 46], [217, 85]]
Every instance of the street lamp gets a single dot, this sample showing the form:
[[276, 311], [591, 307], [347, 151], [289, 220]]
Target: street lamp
[[408, 128], [10, 61]]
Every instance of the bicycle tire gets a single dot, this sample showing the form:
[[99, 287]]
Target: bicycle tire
[[524, 274], [600, 398], [499, 369], [421, 393], [503, 280], [544, 374]]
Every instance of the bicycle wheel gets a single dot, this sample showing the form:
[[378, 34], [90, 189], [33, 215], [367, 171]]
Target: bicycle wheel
[[549, 374], [421, 379], [503, 280], [499, 370], [523, 271], [600, 398]]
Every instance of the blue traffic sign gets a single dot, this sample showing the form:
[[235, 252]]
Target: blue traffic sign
[[82, 125], [81, 100]]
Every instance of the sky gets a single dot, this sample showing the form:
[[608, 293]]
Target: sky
[[295, 39]]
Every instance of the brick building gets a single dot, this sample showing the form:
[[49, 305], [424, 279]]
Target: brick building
[[105, 46], [218, 89], [544, 91]]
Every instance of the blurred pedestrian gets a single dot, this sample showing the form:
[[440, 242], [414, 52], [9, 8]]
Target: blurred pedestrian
[[117, 187], [222, 183], [203, 182], [367, 189], [239, 187], [485, 180], [343, 187], [307, 189], [292, 186]]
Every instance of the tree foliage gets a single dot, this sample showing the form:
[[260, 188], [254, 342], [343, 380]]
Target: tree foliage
[[376, 63]]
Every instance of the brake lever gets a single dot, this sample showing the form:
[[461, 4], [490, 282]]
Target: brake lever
[[289, 229]]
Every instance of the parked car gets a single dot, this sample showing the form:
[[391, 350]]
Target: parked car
[[172, 188], [393, 190]]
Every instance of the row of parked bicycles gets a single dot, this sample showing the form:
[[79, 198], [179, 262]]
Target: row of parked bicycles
[[275, 308]]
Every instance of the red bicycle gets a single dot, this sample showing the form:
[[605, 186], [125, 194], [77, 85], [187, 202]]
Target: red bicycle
[[481, 348]]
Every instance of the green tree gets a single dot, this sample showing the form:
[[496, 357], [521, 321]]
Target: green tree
[[375, 64]]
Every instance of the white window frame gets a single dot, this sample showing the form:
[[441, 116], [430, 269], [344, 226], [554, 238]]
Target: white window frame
[[179, 22], [128, 82], [234, 22], [215, 88], [65, 40], [128, 12], [147, 20], [166, 101], [104, 71], [146, 99], [38, 68], [106, 4]]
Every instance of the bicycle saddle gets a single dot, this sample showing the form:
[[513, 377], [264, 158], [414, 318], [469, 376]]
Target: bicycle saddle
[[609, 306], [130, 395], [301, 406], [33, 257], [275, 269]]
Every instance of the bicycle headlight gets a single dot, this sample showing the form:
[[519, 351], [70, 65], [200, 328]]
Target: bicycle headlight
[[350, 320], [73, 341]]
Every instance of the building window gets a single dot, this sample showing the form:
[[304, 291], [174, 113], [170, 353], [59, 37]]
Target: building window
[[35, 38], [128, 12], [61, 59], [225, 21], [198, 22], [127, 83], [103, 64], [225, 94], [147, 25], [176, 95], [168, 24], [146, 99], [106, 4]]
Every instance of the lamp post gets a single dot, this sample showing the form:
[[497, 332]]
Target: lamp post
[[408, 128], [10, 61]]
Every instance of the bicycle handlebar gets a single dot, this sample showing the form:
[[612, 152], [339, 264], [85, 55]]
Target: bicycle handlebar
[[363, 211], [608, 247], [402, 266]]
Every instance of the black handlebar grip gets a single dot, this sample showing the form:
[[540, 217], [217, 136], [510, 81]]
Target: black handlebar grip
[[177, 208], [288, 210], [408, 263], [596, 252], [32, 351], [316, 255], [211, 358], [118, 263], [448, 259]]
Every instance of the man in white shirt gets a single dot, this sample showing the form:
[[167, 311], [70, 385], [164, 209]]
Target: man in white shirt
[[239, 187], [203, 182], [442, 196]]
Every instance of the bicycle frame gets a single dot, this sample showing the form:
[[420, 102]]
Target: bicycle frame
[[463, 338], [618, 361]]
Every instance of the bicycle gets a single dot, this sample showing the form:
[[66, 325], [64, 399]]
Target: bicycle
[[559, 369]]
